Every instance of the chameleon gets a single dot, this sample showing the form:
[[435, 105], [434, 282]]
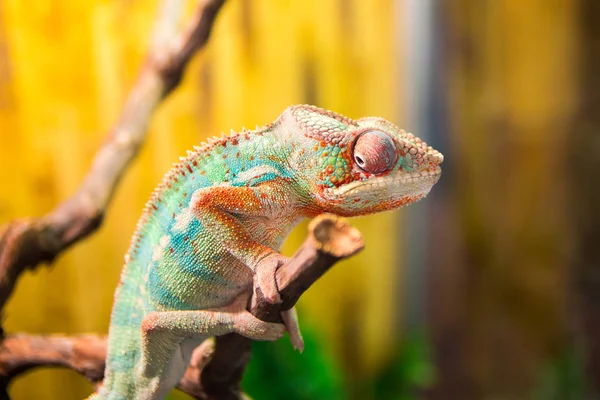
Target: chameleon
[[212, 231]]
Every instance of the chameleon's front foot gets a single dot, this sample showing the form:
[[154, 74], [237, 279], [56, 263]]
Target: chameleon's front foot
[[266, 281], [265, 278], [253, 328]]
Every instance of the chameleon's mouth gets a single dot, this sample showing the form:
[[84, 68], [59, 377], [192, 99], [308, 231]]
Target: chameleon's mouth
[[387, 187]]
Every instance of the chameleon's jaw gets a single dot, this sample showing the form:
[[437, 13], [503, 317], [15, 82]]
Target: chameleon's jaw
[[379, 193]]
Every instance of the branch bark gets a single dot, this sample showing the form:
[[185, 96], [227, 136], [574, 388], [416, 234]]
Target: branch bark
[[27, 243], [84, 354], [216, 368]]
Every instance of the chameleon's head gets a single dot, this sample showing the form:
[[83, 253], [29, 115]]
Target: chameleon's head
[[359, 167]]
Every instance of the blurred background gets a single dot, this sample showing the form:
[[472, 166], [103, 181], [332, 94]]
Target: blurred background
[[488, 289]]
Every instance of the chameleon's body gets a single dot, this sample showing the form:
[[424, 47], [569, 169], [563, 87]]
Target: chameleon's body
[[212, 230]]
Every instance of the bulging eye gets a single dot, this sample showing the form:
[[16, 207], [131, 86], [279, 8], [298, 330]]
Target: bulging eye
[[374, 152]]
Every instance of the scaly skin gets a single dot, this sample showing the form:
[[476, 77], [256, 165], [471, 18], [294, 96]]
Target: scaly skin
[[214, 227]]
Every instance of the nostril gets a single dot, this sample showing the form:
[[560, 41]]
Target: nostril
[[435, 157]]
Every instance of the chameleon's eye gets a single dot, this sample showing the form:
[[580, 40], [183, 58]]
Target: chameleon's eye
[[374, 152]]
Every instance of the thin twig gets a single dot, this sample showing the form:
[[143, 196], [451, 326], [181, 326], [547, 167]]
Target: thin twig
[[28, 242], [215, 371]]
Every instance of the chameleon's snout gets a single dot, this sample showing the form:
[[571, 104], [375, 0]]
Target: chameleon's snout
[[417, 153]]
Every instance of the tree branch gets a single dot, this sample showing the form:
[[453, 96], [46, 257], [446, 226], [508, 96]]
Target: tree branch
[[84, 354], [330, 239], [28, 242], [215, 370]]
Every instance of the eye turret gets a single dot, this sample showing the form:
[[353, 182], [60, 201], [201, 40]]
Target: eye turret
[[375, 152]]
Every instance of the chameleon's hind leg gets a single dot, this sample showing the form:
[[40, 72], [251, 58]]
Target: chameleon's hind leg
[[162, 363]]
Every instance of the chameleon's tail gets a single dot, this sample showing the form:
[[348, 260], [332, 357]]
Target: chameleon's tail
[[123, 339], [104, 394]]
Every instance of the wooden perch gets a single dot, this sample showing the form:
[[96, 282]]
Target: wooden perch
[[329, 240], [216, 369], [29, 242]]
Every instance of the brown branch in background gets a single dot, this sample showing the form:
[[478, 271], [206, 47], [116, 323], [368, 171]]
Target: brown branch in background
[[28, 242], [84, 354], [215, 370]]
